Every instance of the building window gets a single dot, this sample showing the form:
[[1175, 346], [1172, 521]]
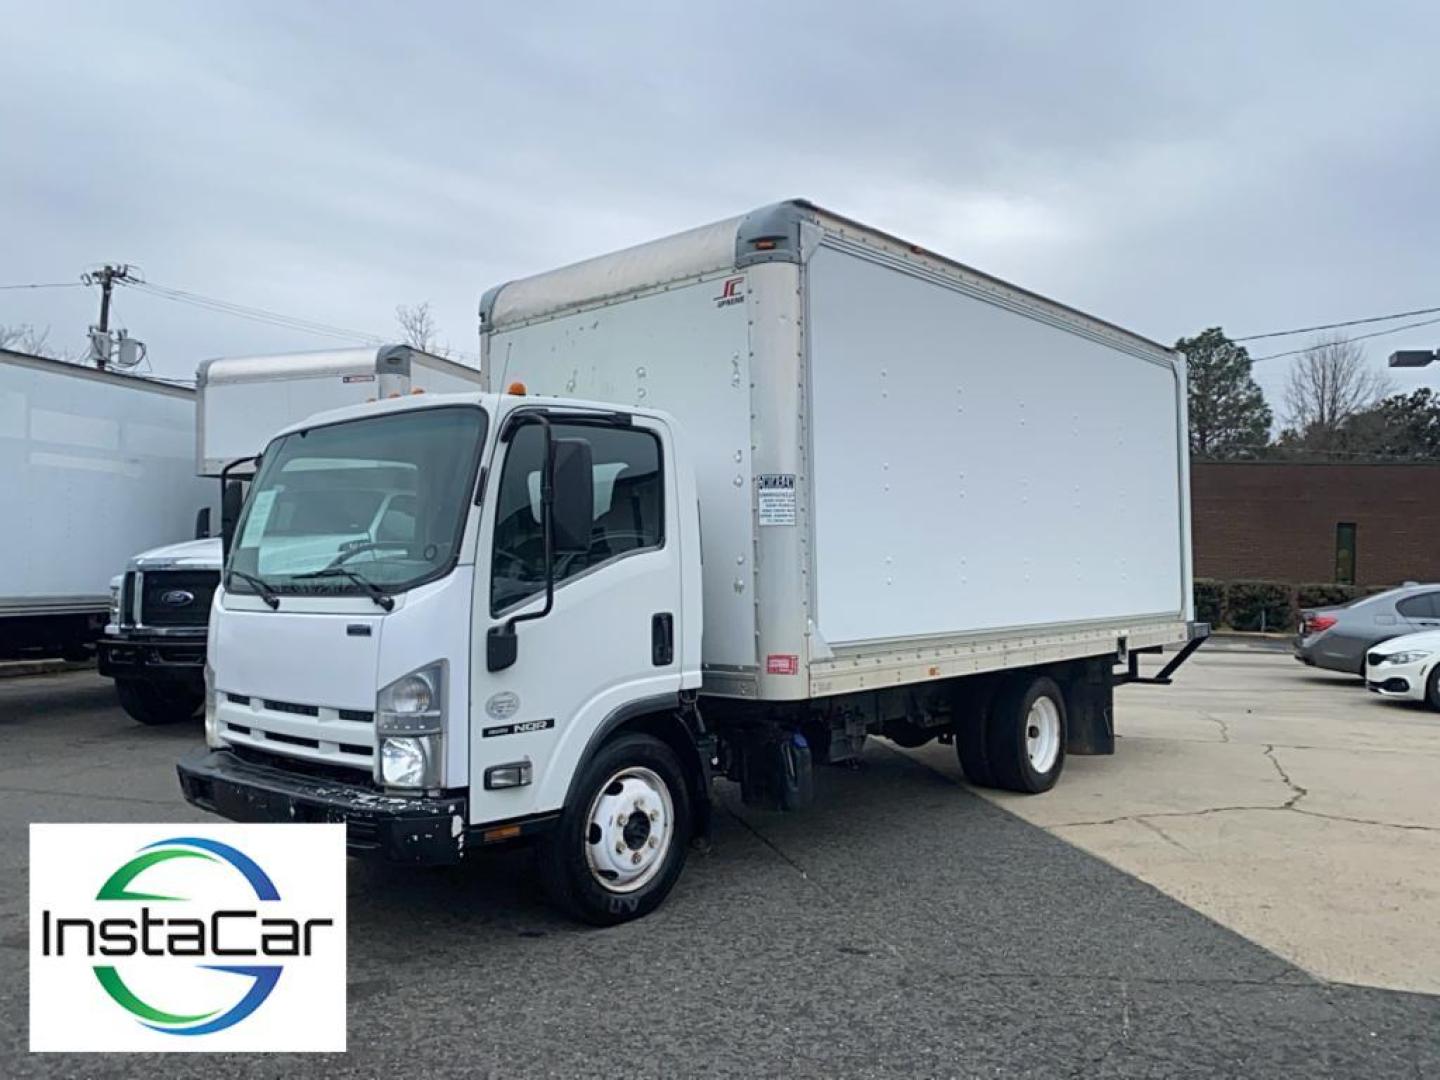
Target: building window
[[1345, 553]]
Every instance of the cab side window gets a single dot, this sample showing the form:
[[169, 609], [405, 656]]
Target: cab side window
[[628, 513]]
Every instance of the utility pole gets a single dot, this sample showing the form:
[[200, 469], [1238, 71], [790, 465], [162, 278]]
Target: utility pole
[[105, 277]]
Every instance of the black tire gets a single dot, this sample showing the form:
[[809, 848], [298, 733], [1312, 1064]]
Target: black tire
[[971, 748], [1007, 730], [153, 704], [1432, 689], [565, 870]]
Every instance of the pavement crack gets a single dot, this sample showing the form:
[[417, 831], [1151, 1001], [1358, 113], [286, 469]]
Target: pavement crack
[[9, 789], [1163, 835], [769, 844], [1221, 724], [1296, 791]]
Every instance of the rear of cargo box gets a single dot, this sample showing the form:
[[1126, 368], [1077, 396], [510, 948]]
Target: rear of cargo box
[[984, 464]]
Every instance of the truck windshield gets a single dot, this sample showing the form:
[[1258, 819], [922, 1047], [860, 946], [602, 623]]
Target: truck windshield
[[381, 499]]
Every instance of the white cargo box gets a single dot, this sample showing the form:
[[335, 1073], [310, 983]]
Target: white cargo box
[[244, 400], [907, 469], [94, 466]]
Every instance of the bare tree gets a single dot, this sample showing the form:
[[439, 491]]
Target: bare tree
[[1329, 383], [418, 329], [22, 337]]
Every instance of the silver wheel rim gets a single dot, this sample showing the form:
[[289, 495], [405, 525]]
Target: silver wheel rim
[[1042, 734], [629, 829]]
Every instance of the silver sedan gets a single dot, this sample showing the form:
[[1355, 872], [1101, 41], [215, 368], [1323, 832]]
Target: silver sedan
[[1338, 637]]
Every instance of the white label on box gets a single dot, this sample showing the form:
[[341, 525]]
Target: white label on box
[[776, 498]]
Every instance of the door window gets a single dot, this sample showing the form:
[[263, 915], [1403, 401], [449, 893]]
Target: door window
[[1420, 606], [628, 513]]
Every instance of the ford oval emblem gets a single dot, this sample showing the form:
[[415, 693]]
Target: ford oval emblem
[[177, 598], [503, 705]]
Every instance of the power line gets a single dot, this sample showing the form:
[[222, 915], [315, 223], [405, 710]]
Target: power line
[[1357, 337], [1338, 325], [261, 315], [47, 285]]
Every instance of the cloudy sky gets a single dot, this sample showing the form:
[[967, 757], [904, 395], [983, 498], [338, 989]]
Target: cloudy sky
[[1257, 166]]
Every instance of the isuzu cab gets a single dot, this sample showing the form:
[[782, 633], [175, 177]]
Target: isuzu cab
[[750, 495]]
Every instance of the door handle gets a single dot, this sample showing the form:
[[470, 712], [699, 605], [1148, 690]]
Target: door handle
[[662, 639]]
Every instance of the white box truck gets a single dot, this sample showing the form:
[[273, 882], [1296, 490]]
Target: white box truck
[[93, 465], [154, 643], [771, 486]]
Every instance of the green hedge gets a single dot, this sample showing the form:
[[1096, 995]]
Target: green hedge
[[1313, 596], [1269, 605], [1209, 600], [1259, 605]]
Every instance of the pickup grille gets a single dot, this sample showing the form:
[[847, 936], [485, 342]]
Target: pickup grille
[[177, 597]]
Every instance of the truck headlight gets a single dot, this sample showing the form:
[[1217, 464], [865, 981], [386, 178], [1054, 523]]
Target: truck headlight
[[212, 720], [1411, 657], [407, 761], [409, 722], [117, 589]]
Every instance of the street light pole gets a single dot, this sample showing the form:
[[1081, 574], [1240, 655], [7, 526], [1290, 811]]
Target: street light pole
[[1413, 357]]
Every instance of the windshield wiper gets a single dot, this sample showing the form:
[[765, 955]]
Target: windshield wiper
[[260, 585], [379, 595]]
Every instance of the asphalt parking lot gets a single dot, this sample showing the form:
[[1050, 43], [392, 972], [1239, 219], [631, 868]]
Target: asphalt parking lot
[[1248, 887]]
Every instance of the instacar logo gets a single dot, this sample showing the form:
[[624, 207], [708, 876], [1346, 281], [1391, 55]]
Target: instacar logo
[[188, 938]]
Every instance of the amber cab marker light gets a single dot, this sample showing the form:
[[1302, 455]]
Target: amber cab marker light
[[504, 832], [516, 389]]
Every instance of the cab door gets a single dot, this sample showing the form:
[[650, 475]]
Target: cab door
[[608, 642]]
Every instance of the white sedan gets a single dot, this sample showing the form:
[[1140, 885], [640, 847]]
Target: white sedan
[[1406, 667]]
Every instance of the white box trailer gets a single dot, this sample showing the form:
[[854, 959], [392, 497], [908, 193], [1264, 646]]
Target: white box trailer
[[907, 469], [94, 465], [770, 487], [155, 645], [246, 399]]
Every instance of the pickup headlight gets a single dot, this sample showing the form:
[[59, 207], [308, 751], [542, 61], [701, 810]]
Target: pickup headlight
[[409, 722], [1410, 657], [117, 589]]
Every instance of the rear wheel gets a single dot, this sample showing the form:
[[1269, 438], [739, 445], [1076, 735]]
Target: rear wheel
[[621, 842], [152, 703], [1025, 743]]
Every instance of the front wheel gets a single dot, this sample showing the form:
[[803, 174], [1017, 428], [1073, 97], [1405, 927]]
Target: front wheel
[[158, 703], [1432, 689], [621, 842]]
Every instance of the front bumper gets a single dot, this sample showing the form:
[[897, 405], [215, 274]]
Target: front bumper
[[151, 656], [413, 829], [1404, 681]]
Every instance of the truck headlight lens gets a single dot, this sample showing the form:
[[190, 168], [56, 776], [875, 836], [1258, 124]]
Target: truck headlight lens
[[212, 721], [117, 588], [1404, 657], [409, 722], [404, 762]]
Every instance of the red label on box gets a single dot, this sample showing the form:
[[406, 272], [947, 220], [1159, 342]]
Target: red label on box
[[782, 664]]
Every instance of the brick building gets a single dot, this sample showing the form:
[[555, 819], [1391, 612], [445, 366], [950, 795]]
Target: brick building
[[1300, 523]]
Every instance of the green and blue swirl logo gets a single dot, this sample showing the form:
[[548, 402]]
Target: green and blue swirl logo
[[244, 940]]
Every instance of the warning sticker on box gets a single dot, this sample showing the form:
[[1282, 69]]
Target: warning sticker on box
[[776, 498]]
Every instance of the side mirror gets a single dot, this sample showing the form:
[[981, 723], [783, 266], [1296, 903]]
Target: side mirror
[[572, 514], [232, 498], [501, 647], [202, 523]]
